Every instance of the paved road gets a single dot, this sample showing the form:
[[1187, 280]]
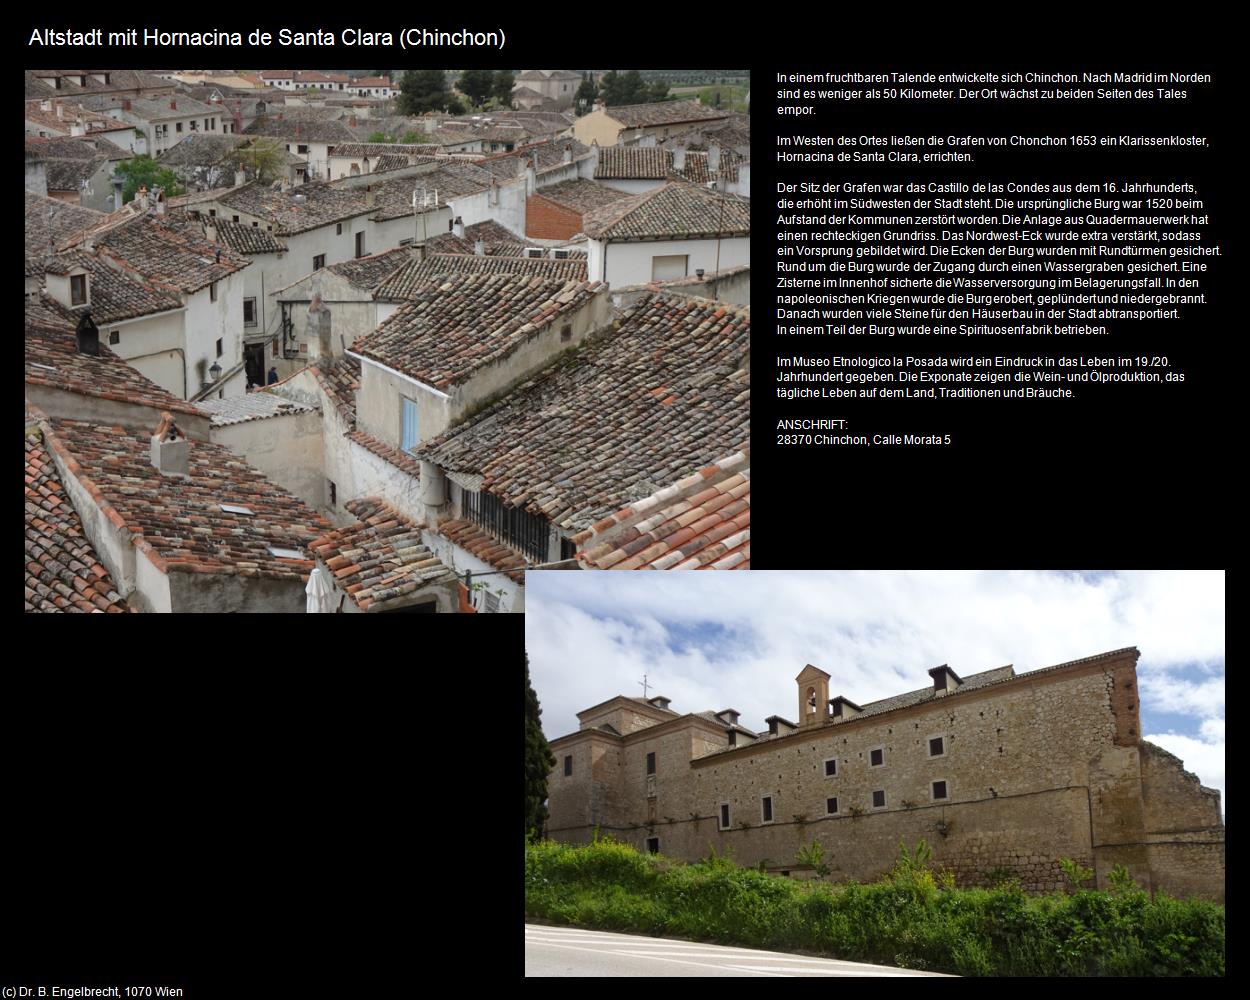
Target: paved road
[[570, 951]]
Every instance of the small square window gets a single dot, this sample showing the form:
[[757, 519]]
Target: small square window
[[653, 845], [767, 808], [937, 746], [724, 816], [831, 767], [115, 337], [319, 262], [568, 766], [234, 218], [876, 757], [219, 347], [939, 790], [651, 763], [878, 800], [831, 806]]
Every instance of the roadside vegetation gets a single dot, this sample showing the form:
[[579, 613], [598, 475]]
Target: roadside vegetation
[[913, 918]]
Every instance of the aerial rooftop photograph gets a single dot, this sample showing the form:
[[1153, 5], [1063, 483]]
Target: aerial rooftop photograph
[[347, 341]]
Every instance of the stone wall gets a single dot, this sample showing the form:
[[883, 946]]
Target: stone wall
[[1036, 768]]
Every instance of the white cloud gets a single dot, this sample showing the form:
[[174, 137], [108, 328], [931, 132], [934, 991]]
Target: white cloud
[[591, 636]]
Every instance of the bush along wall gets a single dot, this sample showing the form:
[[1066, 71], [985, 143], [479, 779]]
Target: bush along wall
[[914, 918]]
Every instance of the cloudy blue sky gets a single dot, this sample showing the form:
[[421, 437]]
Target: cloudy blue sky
[[737, 640]]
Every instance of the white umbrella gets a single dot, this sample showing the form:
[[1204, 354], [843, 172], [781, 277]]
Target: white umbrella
[[319, 592]]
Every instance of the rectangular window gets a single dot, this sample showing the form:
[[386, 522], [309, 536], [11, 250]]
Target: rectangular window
[[212, 292], [653, 845], [207, 122], [338, 229], [939, 790], [876, 757], [219, 347], [831, 768], [878, 800], [114, 337], [651, 763], [937, 746], [408, 432], [668, 267], [568, 766], [766, 808], [212, 213], [319, 262], [334, 492], [529, 533], [831, 806], [724, 816], [249, 312], [177, 126], [303, 149], [360, 243], [77, 289], [235, 218]]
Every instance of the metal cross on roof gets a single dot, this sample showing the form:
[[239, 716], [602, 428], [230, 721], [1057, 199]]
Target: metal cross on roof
[[643, 682]]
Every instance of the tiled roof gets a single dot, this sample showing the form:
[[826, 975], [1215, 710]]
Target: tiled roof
[[52, 360], [322, 204], [396, 161], [300, 129], [63, 572], [700, 522], [476, 542], [497, 240], [409, 279], [452, 179], [181, 518], [340, 381], [158, 109], [114, 292], [581, 195], [72, 148], [458, 323], [633, 163], [381, 559], [246, 238], [208, 149], [369, 272], [253, 406], [168, 250], [372, 149], [676, 210], [372, 81], [72, 114], [547, 155], [403, 462], [69, 175], [663, 113], [49, 222], [612, 422], [119, 80]]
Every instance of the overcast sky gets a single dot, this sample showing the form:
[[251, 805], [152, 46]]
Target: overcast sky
[[714, 640]]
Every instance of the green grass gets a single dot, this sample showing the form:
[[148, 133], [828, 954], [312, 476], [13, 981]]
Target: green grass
[[906, 919]]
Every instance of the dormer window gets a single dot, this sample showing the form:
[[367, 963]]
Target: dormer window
[[78, 290]]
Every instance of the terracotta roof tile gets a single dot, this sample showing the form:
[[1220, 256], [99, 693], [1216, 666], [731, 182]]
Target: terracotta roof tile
[[491, 551], [52, 360], [114, 292], [340, 381], [322, 204], [369, 272], [497, 241], [702, 521], [381, 559], [581, 195], [300, 129], [612, 422], [246, 238], [455, 324], [633, 163], [416, 275], [181, 518], [402, 461], [257, 405], [374, 149], [677, 210], [49, 222], [63, 571], [663, 113]]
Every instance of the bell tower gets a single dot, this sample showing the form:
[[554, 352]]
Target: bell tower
[[813, 696]]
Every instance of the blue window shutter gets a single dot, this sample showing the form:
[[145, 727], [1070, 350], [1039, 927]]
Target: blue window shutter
[[410, 437]]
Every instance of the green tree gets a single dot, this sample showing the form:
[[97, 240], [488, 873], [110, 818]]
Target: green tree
[[143, 171], [584, 99], [423, 90], [477, 85], [264, 159], [502, 87], [656, 92], [380, 137], [411, 138], [538, 761]]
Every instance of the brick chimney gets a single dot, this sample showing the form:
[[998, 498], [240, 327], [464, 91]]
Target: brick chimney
[[141, 199], [418, 251], [457, 226], [713, 157], [171, 451], [568, 153], [479, 248], [210, 231], [945, 680], [531, 178], [318, 329], [679, 157], [240, 178]]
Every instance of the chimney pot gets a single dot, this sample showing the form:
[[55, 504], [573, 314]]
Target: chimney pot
[[458, 225], [171, 451], [479, 248]]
